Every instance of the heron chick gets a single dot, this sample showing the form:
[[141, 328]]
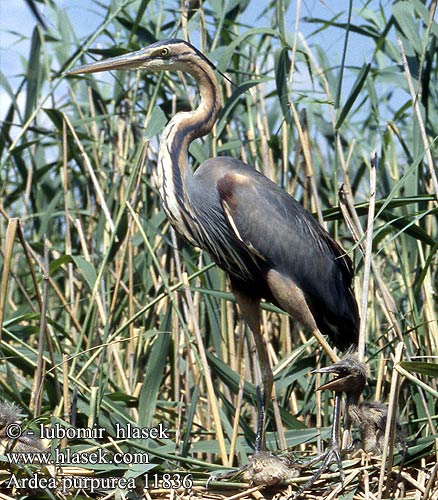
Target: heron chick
[[12, 437], [369, 417]]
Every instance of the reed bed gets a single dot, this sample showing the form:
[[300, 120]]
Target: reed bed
[[108, 318]]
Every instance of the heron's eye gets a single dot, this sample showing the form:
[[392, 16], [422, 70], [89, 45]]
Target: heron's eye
[[164, 52]]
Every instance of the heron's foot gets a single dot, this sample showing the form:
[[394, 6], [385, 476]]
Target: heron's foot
[[365, 457], [266, 468], [331, 455]]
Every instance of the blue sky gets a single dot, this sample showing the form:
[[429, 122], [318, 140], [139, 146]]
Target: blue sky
[[17, 23]]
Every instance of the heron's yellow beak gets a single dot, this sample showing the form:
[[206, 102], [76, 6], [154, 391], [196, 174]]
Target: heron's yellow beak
[[160, 56], [133, 60]]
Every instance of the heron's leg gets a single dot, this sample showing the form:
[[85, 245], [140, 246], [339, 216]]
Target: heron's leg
[[250, 310], [260, 441], [293, 300], [266, 392], [332, 453]]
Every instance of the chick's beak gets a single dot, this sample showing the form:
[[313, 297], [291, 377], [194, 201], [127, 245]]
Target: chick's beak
[[339, 384]]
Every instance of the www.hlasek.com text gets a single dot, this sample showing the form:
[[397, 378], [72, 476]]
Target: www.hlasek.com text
[[68, 457]]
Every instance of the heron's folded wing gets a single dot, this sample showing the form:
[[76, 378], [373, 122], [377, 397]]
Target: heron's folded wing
[[276, 228]]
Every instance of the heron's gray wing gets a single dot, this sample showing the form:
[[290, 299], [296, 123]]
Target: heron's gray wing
[[276, 228]]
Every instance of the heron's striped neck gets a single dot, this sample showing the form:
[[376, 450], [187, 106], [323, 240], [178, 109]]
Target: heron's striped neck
[[173, 169]]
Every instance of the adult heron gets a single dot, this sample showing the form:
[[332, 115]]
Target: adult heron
[[269, 245]]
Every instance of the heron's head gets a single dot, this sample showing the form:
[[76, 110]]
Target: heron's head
[[173, 54], [351, 375]]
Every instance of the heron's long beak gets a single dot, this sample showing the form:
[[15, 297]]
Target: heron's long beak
[[126, 61], [338, 384]]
